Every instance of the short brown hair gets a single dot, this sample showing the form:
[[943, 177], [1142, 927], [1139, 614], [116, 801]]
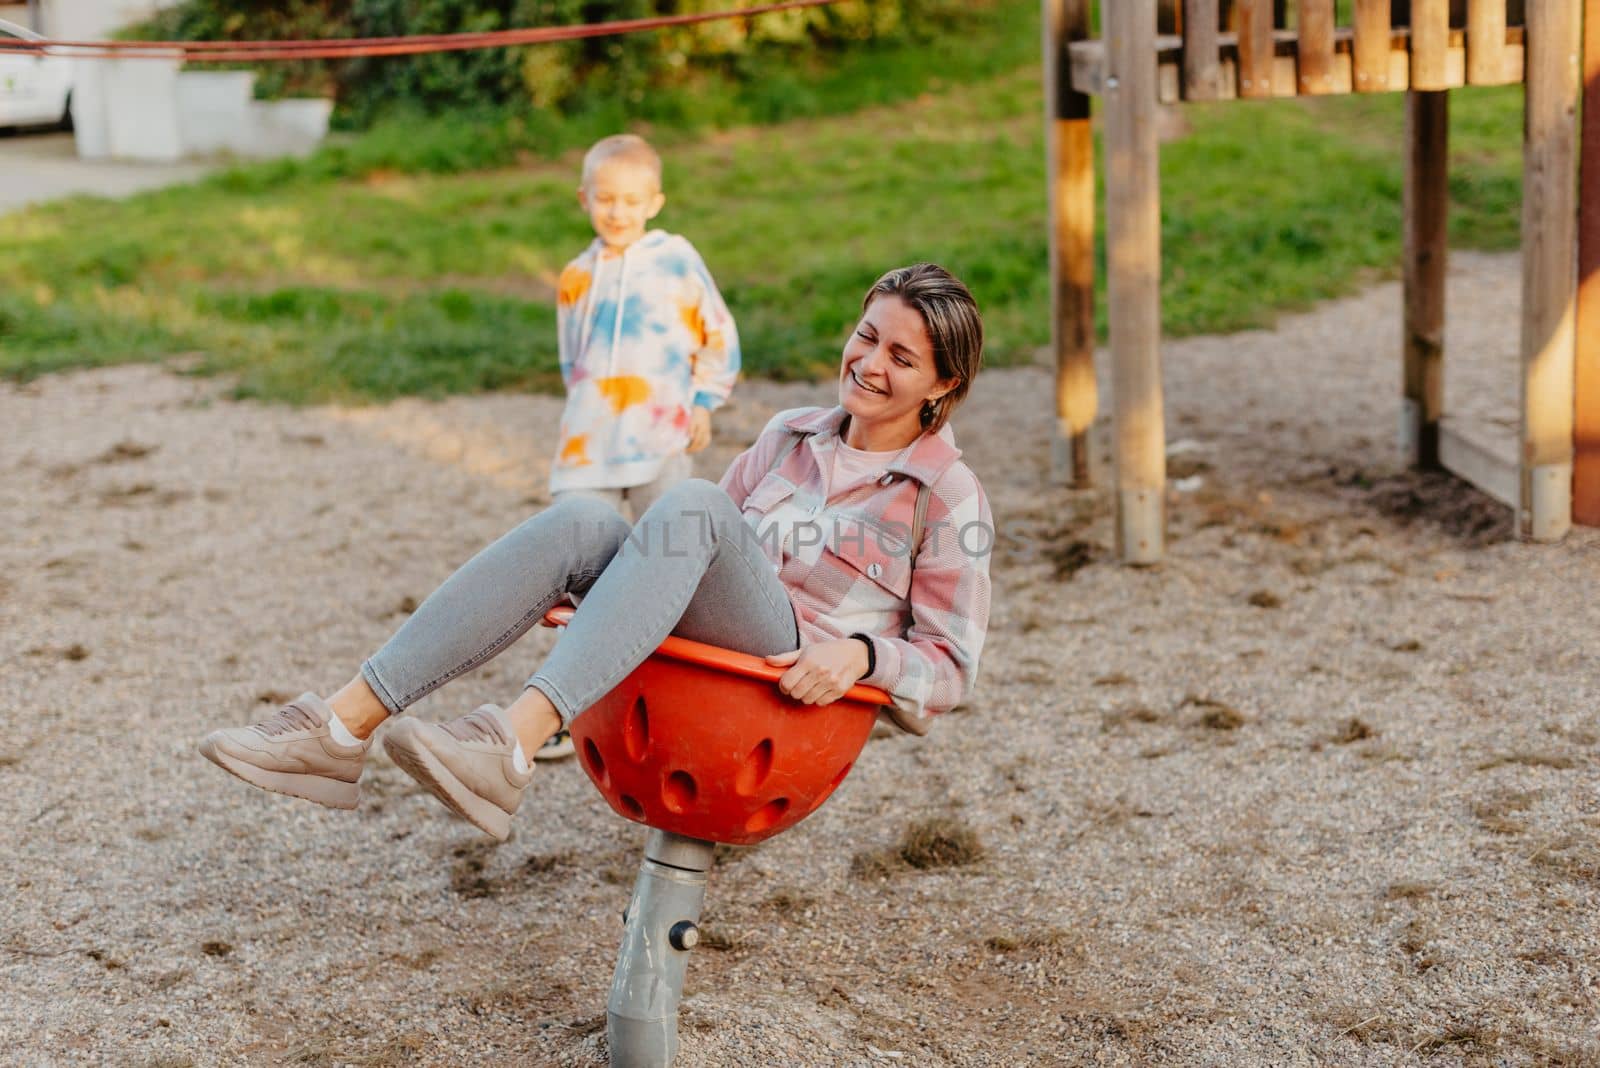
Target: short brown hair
[[954, 326], [629, 148]]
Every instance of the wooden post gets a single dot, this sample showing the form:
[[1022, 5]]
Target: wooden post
[[1586, 437], [1133, 257], [1549, 281], [1070, 140], [1427, 199]]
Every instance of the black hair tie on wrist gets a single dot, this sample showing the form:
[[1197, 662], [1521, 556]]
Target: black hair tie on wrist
[[872, 654]]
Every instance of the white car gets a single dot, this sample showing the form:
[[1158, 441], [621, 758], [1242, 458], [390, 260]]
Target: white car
[[35, 88]]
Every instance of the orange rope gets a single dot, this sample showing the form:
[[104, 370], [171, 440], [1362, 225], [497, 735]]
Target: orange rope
[[353, 47]]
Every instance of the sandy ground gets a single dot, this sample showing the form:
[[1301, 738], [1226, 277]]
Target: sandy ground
[[1321, 789]]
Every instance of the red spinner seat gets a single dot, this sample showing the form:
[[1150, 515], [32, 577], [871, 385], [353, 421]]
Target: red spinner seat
[[699, 741]]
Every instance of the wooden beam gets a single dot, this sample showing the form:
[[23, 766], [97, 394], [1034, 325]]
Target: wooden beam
[[1070, 140], [1426, 198], [1470, 452], [1133, 258], [1586, 380], [1549, 278]]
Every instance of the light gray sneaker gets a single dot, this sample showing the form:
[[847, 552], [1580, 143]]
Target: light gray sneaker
[[466, 763], [293, 753]]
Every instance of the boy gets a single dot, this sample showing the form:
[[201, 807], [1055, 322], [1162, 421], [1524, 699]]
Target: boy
[[648, 348]]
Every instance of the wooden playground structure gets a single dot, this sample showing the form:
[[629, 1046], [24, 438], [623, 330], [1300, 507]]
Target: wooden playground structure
[[1154, 52]]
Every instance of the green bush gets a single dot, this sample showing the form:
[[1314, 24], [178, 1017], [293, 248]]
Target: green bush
[[259, 20], [581, 76]]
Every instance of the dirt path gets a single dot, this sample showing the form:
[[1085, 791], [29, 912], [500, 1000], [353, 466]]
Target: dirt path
[[1322, 789]]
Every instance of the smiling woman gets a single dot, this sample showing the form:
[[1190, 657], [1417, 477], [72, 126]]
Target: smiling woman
[[846, 545], [35, 89]]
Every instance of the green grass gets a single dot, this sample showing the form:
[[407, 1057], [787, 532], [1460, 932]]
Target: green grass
[[350, 278]]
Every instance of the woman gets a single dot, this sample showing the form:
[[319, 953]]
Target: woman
[[847, 544]]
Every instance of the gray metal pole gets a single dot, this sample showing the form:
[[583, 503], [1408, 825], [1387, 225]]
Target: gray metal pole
[[659, 931]]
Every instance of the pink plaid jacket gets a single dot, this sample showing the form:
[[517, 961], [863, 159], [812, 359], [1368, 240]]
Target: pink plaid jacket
[[926, 607]]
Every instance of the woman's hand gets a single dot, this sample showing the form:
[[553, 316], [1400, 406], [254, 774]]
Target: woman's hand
[[821, 674]]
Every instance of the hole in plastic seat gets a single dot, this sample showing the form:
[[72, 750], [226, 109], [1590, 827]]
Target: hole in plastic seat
[[679, 791], [597, 763], [767, 815], [634, 810], [755, 769], [832, 786], [839, 778], [636, 732]]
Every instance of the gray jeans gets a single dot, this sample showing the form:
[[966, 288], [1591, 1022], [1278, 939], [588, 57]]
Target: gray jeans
[[690, 567]]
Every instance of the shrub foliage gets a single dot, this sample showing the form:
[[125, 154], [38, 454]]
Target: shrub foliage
[[566, 76]]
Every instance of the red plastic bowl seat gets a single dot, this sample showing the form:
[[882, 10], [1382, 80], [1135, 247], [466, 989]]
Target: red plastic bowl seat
[[699, 741]]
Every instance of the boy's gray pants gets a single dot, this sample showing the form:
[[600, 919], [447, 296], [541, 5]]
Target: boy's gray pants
[[690, 566], [639, 498]]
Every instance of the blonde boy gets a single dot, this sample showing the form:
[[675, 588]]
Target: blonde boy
[[648, 348]]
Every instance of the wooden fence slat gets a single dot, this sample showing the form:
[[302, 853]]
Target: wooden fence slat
[[1371, 48], [1201, 76], [1430, 43], [1549, 276], [1255, 47], [1586, 379], [1316, 47], [1133, 261], [1486, 42]]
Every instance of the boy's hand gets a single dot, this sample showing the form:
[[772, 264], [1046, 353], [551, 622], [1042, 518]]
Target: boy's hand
[[820, 674], [699, 428]]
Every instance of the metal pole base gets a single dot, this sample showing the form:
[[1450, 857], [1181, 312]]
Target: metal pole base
[[660, 929]]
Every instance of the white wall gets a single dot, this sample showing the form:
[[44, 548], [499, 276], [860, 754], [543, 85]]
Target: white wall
[[83, 19]]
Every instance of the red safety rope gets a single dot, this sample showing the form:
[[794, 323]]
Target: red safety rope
[[353, 47]]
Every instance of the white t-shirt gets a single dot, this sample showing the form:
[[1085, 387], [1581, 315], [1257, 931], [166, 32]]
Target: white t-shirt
[[851, 467]]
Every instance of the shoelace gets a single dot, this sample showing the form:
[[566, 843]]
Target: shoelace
[[291, 717], [477, 726]]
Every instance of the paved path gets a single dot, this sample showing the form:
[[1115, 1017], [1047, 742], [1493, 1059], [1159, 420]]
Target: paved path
[[41, 167]]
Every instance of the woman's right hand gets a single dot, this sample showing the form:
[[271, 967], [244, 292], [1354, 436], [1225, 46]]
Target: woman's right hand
[[821, 673]]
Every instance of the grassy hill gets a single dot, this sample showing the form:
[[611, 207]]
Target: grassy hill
[[420, 257]]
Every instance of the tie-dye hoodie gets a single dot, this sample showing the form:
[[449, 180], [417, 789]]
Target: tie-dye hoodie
[[632, 378]]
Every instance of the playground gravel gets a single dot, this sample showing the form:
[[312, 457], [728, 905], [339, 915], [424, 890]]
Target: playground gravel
[[1321, 789]]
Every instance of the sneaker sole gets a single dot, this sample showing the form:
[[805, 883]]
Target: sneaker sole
[[415, 759], [324, 791], [554, 752]]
